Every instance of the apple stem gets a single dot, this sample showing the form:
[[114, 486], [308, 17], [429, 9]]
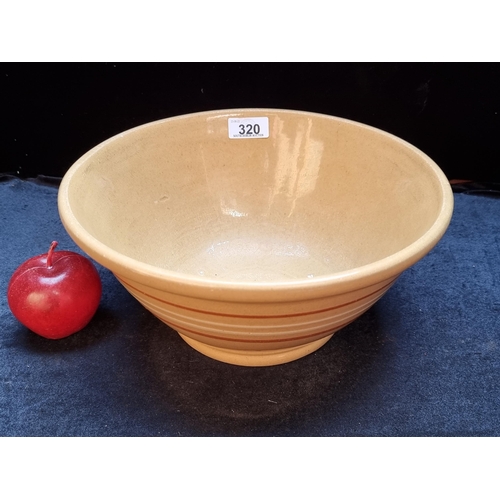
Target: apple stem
[[51, 252]]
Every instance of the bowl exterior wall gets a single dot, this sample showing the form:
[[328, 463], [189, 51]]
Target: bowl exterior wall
[[256, 327]]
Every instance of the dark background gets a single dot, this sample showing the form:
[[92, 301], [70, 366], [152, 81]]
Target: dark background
[[52, 113]]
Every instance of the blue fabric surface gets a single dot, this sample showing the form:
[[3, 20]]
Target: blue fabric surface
[[423, 361]]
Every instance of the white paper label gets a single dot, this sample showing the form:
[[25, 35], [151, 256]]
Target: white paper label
[[248, 128]]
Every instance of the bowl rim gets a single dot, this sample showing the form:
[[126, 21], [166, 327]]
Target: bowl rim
[[247, 291]]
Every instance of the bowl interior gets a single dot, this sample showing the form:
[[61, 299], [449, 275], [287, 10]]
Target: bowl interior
[[319, 196]]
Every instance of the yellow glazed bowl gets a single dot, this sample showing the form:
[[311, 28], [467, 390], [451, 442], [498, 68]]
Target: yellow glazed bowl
[[256, 249]]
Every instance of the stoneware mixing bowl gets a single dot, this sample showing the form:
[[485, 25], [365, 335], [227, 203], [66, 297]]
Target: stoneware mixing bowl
[[256, 233]]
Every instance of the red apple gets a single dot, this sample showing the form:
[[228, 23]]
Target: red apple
[[55, 294]]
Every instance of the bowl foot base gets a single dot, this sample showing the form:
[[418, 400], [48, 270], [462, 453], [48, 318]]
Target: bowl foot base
[[256, 358]]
